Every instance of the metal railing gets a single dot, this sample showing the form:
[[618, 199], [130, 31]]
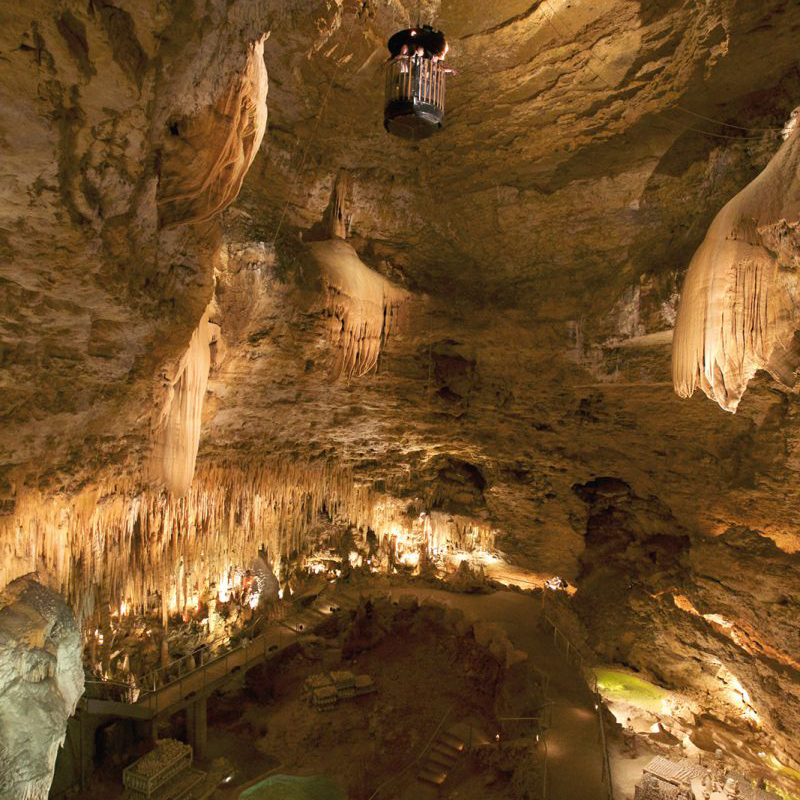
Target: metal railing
[[151, 679], [216, 669], [157, 696], [415, 79], [590, 679], [115, 691]]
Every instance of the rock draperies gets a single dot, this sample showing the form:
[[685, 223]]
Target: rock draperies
[[738, 311], [176, 435], [361, 304], [207, 157]]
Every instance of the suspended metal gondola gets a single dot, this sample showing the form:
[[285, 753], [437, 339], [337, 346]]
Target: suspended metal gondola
[[415, 83]]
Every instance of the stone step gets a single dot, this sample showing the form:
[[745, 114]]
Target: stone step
[[445, 749], [450, 739], [431, 775], [444, 760]]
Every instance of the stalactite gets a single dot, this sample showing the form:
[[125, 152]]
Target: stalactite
[[176, 435], [206, 159], [136, 543], [361, 304], [738, 310]]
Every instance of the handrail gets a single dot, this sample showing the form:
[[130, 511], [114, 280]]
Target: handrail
[[591, 683], [544, 768], [248, 648], [144, 681], [120, 688]]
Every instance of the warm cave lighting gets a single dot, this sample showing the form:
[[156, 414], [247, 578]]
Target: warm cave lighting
[[410, 559]]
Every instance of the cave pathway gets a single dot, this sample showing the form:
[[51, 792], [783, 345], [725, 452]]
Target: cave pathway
[[575, 757]]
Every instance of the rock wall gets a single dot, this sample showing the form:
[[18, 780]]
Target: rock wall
[[41, 680], [679, 607]]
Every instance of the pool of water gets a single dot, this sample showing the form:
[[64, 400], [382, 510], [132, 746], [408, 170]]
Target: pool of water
[[622, 686], [294, 787]]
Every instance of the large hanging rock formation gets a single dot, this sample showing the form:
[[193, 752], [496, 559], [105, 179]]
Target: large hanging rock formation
[[738, 310], [206, 159], [176, 435], [361, 305]]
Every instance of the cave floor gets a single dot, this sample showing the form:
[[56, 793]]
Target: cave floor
[[574, 754], [277, 730]]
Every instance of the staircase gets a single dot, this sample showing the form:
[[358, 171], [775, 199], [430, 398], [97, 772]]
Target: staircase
[[443, 754]]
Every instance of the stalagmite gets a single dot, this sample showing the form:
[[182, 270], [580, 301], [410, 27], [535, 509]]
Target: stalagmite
[[207, 157], [176, 436], [738, 311], [41, 680], [361, 304]]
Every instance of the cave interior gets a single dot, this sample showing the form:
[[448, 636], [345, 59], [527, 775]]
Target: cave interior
[[404, 417]]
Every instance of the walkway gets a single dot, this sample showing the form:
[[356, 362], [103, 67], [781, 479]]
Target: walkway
[[575, 755], [215, 673]]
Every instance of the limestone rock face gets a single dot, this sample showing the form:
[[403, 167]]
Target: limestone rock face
[[41, 680], [681, 608]]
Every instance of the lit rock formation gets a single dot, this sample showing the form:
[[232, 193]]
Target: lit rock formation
[[573, 171], [176, 437], [41, 680], [738, 313], [361, 304], [208, 155]]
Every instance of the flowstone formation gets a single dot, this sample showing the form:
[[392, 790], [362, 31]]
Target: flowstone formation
[[362, 305], [738, 310], [41, 680]]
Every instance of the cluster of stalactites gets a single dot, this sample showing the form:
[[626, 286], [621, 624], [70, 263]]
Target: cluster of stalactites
[[139, 545], [435, 532], [738, 310], [134, 543]]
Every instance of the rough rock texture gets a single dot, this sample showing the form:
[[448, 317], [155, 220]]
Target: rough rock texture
[[41, 680], [681, 608], [541, 241]]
